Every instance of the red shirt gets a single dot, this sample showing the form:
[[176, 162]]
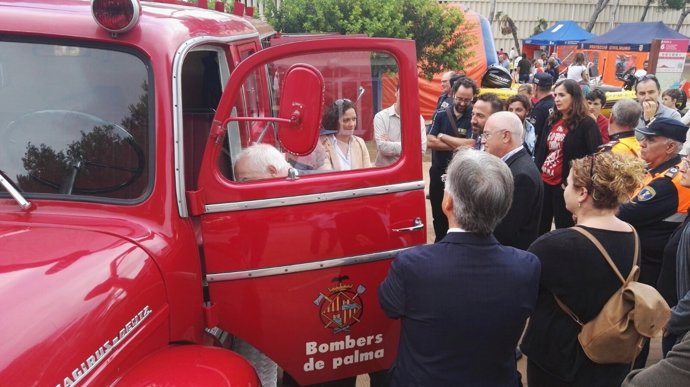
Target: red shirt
[[603, 124], [552, 170]]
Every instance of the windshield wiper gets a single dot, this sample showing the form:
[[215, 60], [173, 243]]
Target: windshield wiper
[[11, 188]]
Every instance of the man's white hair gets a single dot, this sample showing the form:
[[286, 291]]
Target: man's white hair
[[260, 156]]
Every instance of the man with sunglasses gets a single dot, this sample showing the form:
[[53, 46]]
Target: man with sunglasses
[[450, 129], [648, 92], [660, 206]]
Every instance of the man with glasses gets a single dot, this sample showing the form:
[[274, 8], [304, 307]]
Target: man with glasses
[[502, 138], [450, 129], [446, 97], [648, 92], [660, 206]]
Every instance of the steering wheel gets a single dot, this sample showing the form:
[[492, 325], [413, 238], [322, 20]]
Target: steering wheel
[[61, 146]]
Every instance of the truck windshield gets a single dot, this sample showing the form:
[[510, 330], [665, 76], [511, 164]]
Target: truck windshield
[[74, 121]]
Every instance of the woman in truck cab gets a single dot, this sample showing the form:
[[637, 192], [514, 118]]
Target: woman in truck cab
[[344, 150]]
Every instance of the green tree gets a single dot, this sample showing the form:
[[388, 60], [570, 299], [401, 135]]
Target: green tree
[[434, 27]]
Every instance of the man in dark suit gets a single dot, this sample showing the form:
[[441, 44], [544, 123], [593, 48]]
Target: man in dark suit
[[503, 134], [463, 301]]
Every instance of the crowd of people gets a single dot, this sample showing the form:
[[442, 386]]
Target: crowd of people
[[508, 181], [616, 178]]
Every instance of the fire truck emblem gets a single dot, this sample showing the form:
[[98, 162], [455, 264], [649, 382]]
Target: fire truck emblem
[[341, 307]]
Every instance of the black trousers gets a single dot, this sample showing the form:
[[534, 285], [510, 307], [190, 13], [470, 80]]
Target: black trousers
[[553, 209], [436, 187]]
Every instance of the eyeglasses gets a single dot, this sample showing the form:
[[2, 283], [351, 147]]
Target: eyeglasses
[[592, 164], [593, 159], [339, 102], [486, 134]]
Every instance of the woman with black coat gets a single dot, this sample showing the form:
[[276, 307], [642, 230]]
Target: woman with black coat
[[571, 133]]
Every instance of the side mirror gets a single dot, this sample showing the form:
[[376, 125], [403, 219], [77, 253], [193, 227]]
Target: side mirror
[[301, 105]]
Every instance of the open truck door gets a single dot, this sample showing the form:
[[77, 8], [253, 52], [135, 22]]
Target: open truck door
[[293, 263]]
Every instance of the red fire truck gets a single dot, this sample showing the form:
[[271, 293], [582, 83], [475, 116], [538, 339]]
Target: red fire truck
[[128, 252]]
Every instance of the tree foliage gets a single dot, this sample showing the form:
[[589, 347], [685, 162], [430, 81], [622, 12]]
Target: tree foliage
[[434, 27], [508, 27], [541, 26]]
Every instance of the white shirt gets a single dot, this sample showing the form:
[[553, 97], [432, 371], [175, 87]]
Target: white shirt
[[345, 160], [514, 151], [388, 136], [575, 72]]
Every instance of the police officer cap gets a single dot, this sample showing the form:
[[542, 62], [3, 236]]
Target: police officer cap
[[666, 127], [543, 80]]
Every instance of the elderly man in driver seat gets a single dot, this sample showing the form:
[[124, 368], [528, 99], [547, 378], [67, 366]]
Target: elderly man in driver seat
[[260, 161]]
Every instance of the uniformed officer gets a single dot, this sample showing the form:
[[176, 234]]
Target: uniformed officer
[[450, 129], [661, 204], [625, 116]]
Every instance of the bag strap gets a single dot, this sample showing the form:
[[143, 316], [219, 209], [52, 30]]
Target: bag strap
[[606, 255], [603, 252], [451, 118]]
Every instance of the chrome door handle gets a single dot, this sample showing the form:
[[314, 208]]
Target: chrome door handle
[[418, 225]]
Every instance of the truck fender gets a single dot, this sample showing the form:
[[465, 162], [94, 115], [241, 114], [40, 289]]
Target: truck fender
[[191, 365]]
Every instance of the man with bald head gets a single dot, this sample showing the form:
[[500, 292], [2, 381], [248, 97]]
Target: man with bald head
[[446, 97], [503, 138]]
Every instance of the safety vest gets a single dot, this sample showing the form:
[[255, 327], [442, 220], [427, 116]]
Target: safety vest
[[624, 145], [673, 173], [627, 145]]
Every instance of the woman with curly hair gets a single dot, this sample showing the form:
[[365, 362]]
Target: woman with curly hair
[[574, 270], [570, 133]]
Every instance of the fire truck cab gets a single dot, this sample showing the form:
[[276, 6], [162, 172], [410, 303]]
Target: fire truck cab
[[128, 249]]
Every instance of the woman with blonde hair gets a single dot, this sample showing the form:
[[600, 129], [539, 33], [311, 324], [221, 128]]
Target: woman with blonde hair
[[575, 271]]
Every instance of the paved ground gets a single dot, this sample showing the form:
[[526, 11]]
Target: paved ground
[[363, 380]]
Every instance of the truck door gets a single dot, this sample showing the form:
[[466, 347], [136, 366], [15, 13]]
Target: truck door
[[293, 263]]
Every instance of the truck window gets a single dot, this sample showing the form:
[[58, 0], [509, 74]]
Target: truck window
[[74, 121], [358, 84], [202, 86]]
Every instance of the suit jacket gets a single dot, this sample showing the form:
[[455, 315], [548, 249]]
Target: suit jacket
[[359, 157], [462, 303], [520, 227]]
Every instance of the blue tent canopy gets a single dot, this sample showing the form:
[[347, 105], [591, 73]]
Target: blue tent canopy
[[632, 37], [564, 32]]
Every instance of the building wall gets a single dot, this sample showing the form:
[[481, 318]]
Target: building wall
[[525, 14]]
